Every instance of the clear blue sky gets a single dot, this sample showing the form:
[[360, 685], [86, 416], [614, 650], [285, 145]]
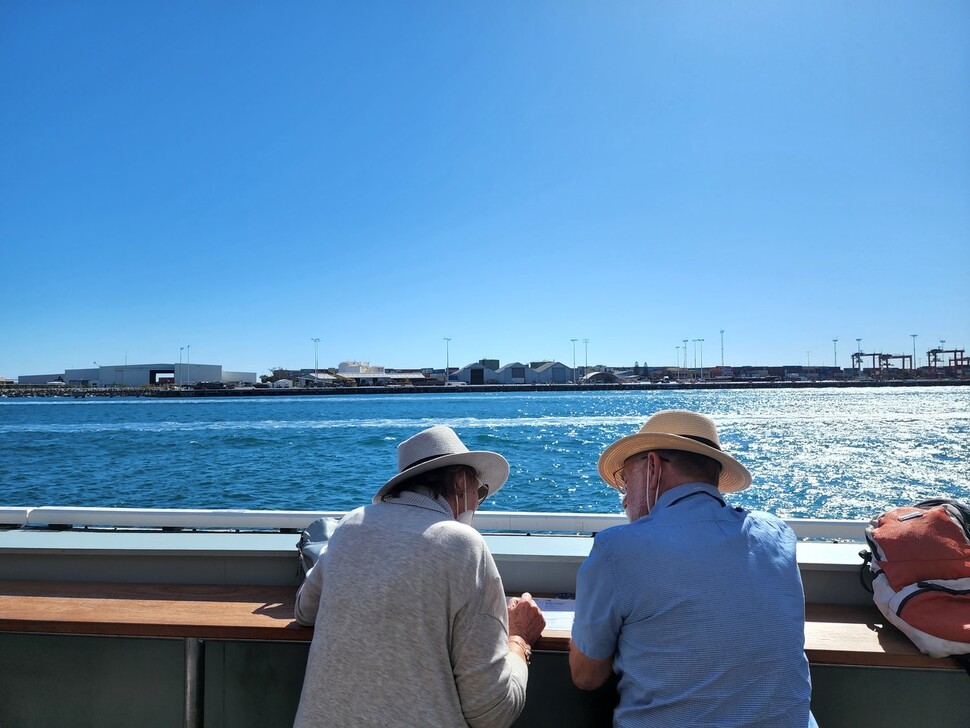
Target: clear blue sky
[[244, 177]]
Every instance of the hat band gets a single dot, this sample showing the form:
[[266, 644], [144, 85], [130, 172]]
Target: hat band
[[424, 460], [703, 441]]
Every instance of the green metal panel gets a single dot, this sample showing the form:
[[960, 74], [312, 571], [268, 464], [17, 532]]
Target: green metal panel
[[66, 680], [109, 681], [253, 684], [553, 700], [848, 697]]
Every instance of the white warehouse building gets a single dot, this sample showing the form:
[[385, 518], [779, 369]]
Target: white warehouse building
[[140, 375]]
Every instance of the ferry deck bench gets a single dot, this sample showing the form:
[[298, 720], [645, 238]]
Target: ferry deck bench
[[853, 635]]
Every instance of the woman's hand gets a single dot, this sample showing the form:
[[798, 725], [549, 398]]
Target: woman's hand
[[525, 618]]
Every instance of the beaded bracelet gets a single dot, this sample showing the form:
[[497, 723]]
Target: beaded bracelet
[[526, 647]]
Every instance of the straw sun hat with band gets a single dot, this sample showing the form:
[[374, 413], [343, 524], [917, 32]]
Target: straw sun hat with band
[[438, 447], [675, 430]]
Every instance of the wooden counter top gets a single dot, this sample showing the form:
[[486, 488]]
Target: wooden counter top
[[834, 634]]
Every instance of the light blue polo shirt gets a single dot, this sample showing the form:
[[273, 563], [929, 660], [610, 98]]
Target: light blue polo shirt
[[701, 605]]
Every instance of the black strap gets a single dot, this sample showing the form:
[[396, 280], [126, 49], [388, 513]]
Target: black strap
[[865, 571]]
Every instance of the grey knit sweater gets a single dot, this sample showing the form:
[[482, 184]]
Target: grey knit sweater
[[411, 627]]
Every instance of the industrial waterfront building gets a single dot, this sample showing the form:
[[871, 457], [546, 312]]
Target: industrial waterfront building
[[141, 375], [942, 364]]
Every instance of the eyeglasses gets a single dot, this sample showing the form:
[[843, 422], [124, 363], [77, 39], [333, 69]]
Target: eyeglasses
[[482, 492], [620, 475]]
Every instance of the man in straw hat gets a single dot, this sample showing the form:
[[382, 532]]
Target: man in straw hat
[[410, 617], [697, 606]]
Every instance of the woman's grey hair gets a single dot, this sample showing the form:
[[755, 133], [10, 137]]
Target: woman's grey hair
[[442, 482]]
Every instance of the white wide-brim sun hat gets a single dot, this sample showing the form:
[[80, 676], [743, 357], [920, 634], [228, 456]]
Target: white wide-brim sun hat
[[675, 430], [438, 447]]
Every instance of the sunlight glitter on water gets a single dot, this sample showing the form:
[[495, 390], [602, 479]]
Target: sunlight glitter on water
[[837, 453]]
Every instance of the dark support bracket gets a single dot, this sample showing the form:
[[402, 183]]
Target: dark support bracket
[[194, 682]]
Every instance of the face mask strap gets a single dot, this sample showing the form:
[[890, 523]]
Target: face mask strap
[[657, 492], [464, 496]]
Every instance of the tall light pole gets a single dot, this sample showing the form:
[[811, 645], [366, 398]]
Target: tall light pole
[[447, 345], [722, 347], [574, 359], [914, 350], [858, 343], [586, 358], [677, 358], [835, 352], [316, 351], [685, 353], [702, 359]]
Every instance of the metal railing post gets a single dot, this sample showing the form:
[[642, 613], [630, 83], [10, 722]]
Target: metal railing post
[[194, 682]]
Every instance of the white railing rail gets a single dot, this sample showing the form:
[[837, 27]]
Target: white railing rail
[[241, 519]]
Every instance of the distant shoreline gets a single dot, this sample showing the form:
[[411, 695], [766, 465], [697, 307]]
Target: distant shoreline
[[15, 391]]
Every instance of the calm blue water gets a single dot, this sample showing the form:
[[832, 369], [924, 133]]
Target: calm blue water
[[828, 453]]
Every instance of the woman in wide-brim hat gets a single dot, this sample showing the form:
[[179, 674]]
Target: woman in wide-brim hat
[[437, 448], [411, 622]]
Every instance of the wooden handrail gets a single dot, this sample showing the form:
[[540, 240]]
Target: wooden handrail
[[835, 634]]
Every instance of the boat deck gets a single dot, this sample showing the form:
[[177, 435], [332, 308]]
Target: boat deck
[[190, 616]]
